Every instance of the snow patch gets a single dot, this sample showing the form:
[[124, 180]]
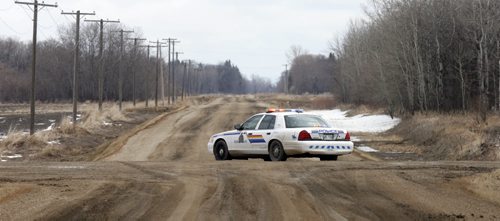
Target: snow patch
[[54, 142], [3, 136], [359, 123], [14, 156], [51, 127], [110, 124], [355, 139], [366, 149]]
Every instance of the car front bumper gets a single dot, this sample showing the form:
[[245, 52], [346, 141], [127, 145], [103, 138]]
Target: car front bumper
[[319, 147]]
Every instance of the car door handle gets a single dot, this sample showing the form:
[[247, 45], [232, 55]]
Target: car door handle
[[269, 133]]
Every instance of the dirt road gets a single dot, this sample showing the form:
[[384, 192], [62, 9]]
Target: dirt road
[[164, 172]]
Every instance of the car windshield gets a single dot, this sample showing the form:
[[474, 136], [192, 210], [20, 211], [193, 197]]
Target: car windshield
[[301, 120]]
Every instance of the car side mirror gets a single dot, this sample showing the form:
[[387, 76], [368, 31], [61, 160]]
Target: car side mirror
[[238, 127]]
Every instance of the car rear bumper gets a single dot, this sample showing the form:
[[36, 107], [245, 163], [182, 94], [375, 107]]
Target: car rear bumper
[[319, 147]]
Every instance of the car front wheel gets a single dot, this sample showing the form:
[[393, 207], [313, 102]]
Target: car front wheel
[[220, 151], [276, 152]]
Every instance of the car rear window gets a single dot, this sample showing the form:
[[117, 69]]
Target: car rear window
[[267, 123], [302, 120]]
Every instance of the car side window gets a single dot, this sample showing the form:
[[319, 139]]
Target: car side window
[[251, 123], [267, 123]]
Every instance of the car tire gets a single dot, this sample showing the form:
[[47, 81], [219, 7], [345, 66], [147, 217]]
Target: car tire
[[220, 151], [276, 152], [329, 158]]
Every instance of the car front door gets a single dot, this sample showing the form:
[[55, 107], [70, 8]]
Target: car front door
[[242, 145], [261, 137]]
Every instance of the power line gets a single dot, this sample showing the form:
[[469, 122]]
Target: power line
[[6, 9], [10, 27], [53, 20]]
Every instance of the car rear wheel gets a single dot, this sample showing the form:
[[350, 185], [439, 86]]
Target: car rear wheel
[[329, 158], [276, 152], [220, 151]]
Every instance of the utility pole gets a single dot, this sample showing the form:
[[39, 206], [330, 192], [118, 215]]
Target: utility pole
[[162, 76], [184, 76], [171, 68], [146, 77], [158, 49], [35, 10], [120, 69], [101, 57], [176, 60], [286, 79], [133, 67], [76, 60], [188, 81]]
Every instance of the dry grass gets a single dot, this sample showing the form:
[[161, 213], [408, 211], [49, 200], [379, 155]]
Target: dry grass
[[37, 146], [93, 119], [21, 142], [451, 136]]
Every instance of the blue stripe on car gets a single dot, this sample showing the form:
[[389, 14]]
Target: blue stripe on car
[[257, 140]]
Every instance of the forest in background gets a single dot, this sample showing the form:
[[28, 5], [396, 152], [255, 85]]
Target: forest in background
[[410, 55], [55, 69], [420, 55]]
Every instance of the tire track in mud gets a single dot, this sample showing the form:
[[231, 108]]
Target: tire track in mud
[[189, 138], [186, 139], [120, 201], [237, 196]]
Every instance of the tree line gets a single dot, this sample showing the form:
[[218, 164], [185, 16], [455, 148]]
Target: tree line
[[410, 55], [308, 73], [55, 63], [420, 55]]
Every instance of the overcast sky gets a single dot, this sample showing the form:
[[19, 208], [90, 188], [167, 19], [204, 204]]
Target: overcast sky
[[253, 34]]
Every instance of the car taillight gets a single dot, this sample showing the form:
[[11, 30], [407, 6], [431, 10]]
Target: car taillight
[[304, 135], [348, 136]]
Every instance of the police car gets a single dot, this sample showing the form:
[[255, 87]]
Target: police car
[[279, 134]]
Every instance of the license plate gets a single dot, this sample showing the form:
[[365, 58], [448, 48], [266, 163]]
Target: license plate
[[330, 136]]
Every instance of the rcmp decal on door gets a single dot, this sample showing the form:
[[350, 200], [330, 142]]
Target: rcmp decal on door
[[256, 139], [241, 138]]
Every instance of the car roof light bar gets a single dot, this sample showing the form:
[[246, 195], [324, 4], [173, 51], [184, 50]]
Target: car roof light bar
[[273, 110]]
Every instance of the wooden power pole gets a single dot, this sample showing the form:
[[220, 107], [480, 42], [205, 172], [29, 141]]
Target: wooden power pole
[[101, 57], [76, 60], [171, 68], [158, 49], [286, 79], [120, 69], [133, 67], [35, 10], [146, 75]]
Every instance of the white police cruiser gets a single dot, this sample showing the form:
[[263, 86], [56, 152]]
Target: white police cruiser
[[281, 133]]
